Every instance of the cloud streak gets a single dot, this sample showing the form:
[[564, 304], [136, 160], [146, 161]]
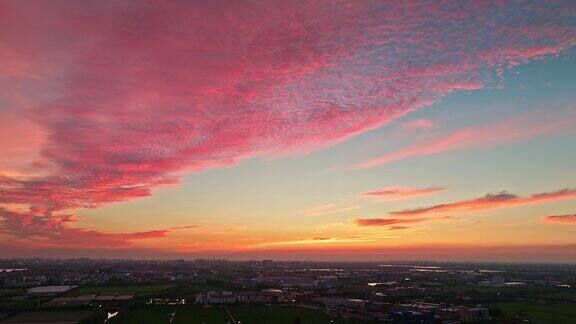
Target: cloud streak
[[397, 193], [560, 219], [498, 133], [314, 241], [419, 124], [329, 209], [490, 201], [132, 94], [387, 221]]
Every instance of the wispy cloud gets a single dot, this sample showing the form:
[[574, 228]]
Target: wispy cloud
[[449, 218], [560, 219], [397, 193], [387, 221], [398, 227], [400, 223], [490, 201], [236, 228], [419, 124], [498, 133], [329, 209]]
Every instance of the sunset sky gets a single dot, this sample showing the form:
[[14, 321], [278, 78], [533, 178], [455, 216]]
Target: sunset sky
[[326, 130]]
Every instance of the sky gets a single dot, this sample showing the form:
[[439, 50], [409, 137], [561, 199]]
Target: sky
[[291, 130]]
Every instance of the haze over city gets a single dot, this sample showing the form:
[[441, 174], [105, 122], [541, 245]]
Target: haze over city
[[288, 130]]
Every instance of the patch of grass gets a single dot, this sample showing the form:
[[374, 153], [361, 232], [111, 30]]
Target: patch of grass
[[186, 315], [201, 315], [9, 305], [51, 317], [9, 292], [282, 315], [527, 292], [189, 290], [143, 316], [538, 313], [137, 290]]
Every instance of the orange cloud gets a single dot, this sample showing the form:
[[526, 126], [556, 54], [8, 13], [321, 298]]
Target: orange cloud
[[398, 227], [395, 193], [560, 219], [315, 241], [387, 221], [329, 209], [491, 201]]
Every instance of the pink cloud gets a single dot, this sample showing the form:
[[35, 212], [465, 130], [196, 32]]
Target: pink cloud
[[132, 94], [560, 219], [491, 201], [498, 133], [20, 140], [395, 193]]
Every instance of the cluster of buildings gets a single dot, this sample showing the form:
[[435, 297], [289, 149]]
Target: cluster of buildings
[[413, 312], [162, 301], [353, 308], [422, 312], [265, 296], [285, 281], [406, 293]]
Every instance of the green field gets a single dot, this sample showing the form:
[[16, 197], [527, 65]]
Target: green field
[[9, 305], [160, 315], [52, 317], [282, 315], [138, 290], [538, 313], [9, 292], [526, 292], [189, 290], [218, 315]]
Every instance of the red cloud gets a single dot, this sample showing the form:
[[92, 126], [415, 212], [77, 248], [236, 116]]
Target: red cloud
[[498, 133], [560, 219], [133, 93], [449, 218], [491, 201], [387, 221], [55, 229], [391, 193]]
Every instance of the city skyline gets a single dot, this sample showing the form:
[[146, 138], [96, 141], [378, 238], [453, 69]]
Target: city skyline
[[314, 130]]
